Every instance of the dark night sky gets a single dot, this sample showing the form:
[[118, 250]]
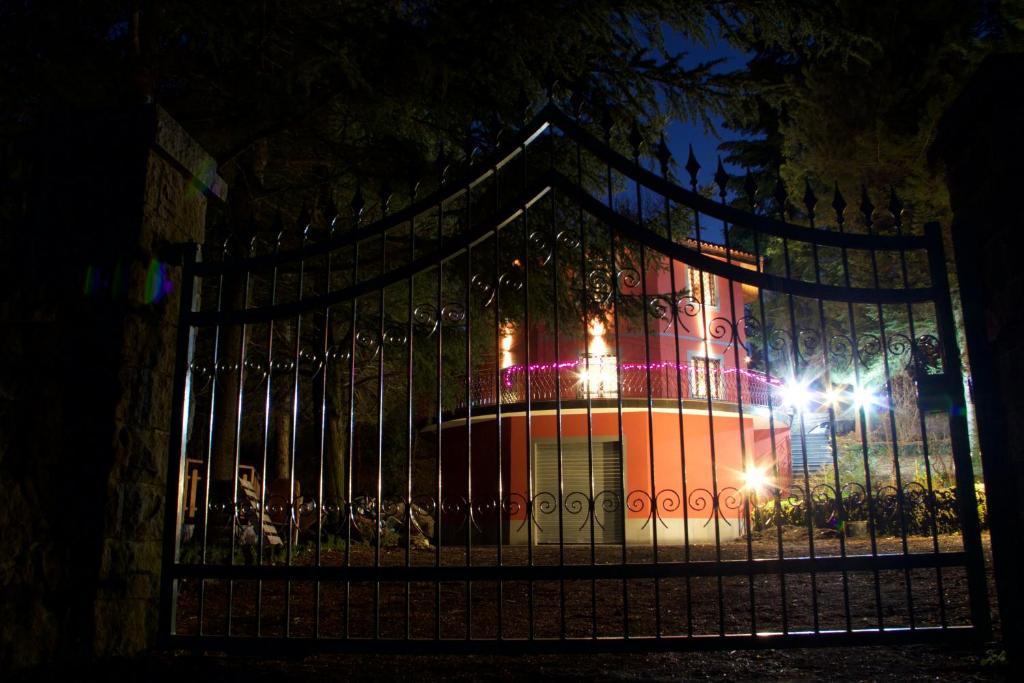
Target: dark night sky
[[680, 134]]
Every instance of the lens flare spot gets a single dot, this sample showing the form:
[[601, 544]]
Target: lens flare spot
[[756, 480], [833, 397], [863, 397], [796, 395], [158, 284], [91, 286]]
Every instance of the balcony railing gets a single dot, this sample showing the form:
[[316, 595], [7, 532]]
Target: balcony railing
[[571, 380]]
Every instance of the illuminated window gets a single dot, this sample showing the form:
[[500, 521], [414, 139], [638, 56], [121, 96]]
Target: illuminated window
[[699, 381], [710, 291]]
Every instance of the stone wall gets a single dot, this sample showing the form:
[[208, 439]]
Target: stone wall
[[89, 311]]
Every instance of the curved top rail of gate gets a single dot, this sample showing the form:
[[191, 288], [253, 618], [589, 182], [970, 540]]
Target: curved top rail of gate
[[424, 266], [687, 251]]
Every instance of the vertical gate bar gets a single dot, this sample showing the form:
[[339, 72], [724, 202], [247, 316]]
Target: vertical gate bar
[[528, 388], [438, 523], [409, 415], [715, 502], [618, 407], [529, 403], [940, 591], [209, 444], [470, 522], [238, 447], [855, 360], [177, 445], [745, 455], [379, 488], [620, 277], [676, 312], [966, 500], [900, 502], [293, 514], [766, 347], [558, 416], [613, 279], [797, 371], [350, 444], [586, 294], [498, 331], [650, 398], [267, 403], [922, 425], [840, 511], [325, 364]]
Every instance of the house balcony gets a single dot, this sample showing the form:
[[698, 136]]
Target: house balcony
[[601, 378]]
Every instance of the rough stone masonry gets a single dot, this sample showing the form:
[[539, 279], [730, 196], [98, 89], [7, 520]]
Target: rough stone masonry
[[89, 311]]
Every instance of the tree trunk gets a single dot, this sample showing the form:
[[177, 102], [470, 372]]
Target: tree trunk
[[226, 409]]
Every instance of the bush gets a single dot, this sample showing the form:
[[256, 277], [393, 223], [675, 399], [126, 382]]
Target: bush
[[922, 512]]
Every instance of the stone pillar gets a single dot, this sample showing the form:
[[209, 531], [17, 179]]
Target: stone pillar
[[981, 147], [179, 177], [89, 311]]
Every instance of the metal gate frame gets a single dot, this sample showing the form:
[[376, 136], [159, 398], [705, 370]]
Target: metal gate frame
[[938, 391]]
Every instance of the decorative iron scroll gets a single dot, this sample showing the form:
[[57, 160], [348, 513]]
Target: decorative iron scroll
[[357, 399]]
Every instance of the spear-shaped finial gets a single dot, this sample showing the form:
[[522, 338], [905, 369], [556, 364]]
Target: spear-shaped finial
[[496, 130], [331, 214], [839, 206], [635, 139], [780, 196], [251, 242], [896, 208], [414, 183], [867, 209], [227, 247], [470, 148], [721, 179], [358, 204], [524, 106], [277, 227], [305, 222], [385, 198], [750, 190], [692, 166], [810, 200], [576, 102], [607, 121], [550, 85], [663, 154], [441, 164]]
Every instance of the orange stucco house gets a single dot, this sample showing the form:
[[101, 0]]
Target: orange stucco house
[[624, 436]]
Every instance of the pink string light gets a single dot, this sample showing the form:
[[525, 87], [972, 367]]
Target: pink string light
[[580, 365]]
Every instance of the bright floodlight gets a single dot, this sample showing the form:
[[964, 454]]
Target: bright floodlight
[[754, 479], [796, 395], [598, 376], [862, 397], [832, 397]]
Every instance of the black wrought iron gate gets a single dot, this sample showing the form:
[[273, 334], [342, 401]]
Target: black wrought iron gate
[[562, 403]]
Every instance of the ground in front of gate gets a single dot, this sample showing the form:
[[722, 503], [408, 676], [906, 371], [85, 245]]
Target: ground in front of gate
[[907, 663]]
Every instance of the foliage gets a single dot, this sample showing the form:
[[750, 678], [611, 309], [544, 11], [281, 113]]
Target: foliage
[[922, 514], [857, 106], [995, 658], [306, 101], [860, 105], [310, 96]]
